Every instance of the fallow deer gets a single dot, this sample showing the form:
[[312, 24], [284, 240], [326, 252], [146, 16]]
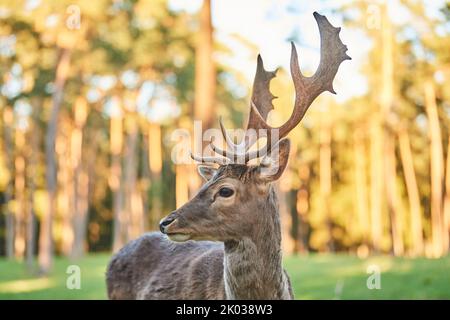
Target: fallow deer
[[233, 219]]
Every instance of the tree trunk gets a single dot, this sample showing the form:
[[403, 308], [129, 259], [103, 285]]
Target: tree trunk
[[8, 119], [80, 217], [80, 179], [376, 182], [361, 193], [447, 201], [325, 179], [46, 237], [34, 136], [115, 181], [295, 218], [302, 207], [392, 196], [9, 225], [155, 166], [133, 204], [386, 99], [413, 193], [181, 185], [205, 72], [287, 240], [205, 82], [20, 196], [146, 184], [437, 168], [66, 195]]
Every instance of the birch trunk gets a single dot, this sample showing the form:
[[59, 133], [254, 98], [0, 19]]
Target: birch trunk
[[392, 196], [302, 207], [65, 179], [325, 179], [46, 236], [447, 202], [34, 136], [205, 72], [376, 183], [361, 193], [437, 168], [134, 214], [181, 185], [413, 193], [287, 241], [155, 166], [386, 101], [8, 119], [80, 179], [20, 197], [205, 82], [115, 181]]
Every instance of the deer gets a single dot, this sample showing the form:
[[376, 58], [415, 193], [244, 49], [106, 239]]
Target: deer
[[225, 243]]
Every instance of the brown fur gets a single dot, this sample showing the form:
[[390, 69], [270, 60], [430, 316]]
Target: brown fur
[[244, 262], [135, 272]]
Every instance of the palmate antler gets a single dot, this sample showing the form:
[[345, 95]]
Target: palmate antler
[[332, 54]]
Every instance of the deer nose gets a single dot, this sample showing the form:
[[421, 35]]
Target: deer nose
[[165, 222]]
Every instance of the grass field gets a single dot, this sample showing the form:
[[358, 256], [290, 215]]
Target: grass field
[[313, 277]]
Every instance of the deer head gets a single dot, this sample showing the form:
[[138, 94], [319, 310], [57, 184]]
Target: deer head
[[237, 195]]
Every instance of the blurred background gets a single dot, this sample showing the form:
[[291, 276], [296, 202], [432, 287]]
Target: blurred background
[[91, 92]]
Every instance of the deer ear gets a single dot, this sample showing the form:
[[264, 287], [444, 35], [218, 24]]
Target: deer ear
[[207, 172], [272, 165]]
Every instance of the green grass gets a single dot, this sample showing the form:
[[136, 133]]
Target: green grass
[[321, 276], [17, 283], [313, 277]]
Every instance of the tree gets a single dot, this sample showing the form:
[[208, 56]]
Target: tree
[[46, 237], [413, 192], [437, 171]]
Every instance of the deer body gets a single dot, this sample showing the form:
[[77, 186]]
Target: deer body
[[234, 217], [153, 267]]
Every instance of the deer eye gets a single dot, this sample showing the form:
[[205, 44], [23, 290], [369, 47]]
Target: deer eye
[[226, 192]]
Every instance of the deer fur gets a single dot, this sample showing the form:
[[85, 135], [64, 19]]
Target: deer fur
[[247, 264]]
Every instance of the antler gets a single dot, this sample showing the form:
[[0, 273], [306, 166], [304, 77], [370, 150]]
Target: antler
[[332, 54], [218, 160], [262, 97], [307, 89]]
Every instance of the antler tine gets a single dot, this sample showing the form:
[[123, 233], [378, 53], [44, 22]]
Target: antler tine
[[218, 160], [332, 54], [217, 149], [228, 140], [261, 95], [235, 147], [261, 152], [228, 154], [247, 156]]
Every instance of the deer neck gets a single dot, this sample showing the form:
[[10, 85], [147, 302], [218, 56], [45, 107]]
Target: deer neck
[[253, 264]]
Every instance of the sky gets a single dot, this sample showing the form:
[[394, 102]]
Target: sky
[[269, 24]]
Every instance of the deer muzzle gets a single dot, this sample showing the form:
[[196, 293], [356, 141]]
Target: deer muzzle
[[167, 224]]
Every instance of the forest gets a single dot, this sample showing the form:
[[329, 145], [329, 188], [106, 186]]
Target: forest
[[92, 92]]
